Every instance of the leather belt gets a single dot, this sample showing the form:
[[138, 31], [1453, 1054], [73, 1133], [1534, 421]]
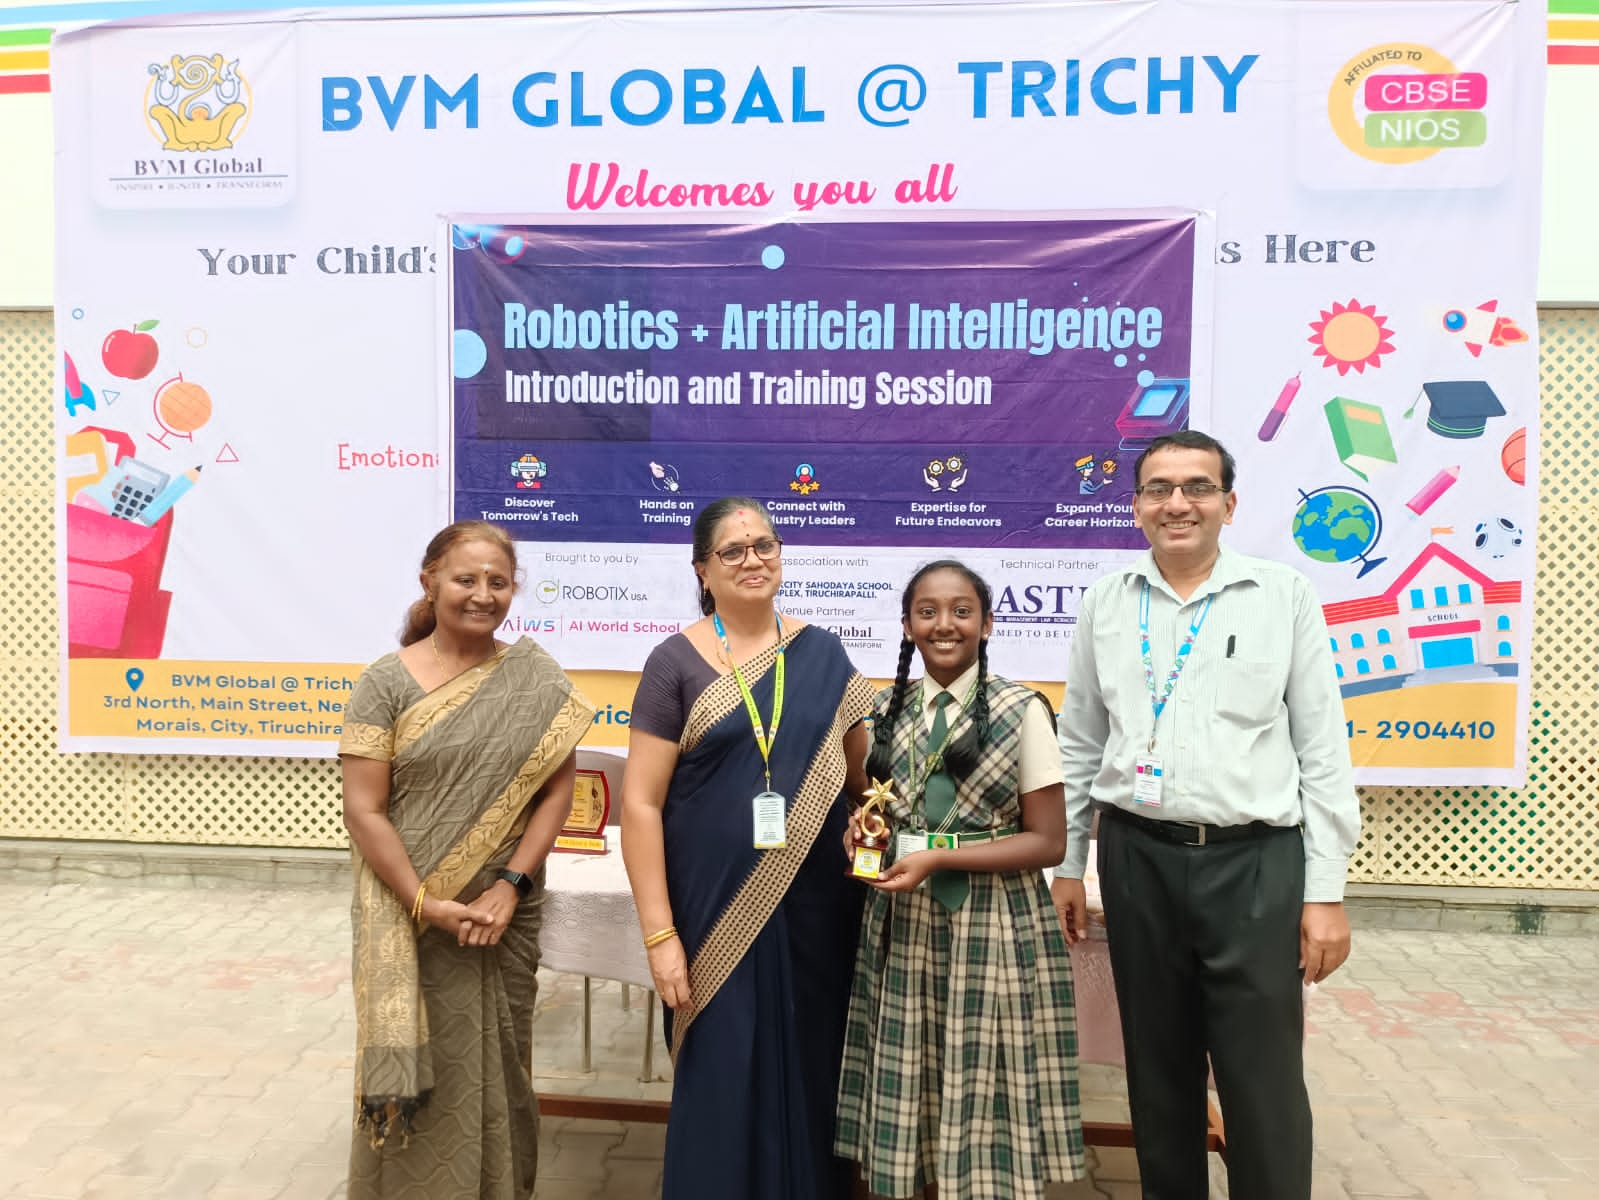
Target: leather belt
[[1188, 833]]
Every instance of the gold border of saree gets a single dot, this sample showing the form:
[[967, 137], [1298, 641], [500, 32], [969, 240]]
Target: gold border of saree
[[763, 890]]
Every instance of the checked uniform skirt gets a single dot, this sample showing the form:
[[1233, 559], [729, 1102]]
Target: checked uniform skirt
[[960, 1054]]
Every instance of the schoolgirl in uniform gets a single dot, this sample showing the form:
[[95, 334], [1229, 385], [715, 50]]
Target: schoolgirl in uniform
[[960, 1062]]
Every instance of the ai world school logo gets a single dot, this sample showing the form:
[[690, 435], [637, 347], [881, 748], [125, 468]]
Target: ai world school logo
[[1404, 102], [197, 102]]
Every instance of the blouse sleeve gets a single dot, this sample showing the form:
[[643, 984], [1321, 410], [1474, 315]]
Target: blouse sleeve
[[1039, 753], [369, 717], [658, 703]]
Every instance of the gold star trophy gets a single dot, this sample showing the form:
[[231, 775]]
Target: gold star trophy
[[872, 839]]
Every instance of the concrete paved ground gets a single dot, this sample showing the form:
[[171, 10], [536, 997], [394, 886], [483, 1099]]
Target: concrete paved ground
[[181, 1042]]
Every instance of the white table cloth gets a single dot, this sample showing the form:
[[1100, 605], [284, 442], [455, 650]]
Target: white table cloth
[[590, 925]]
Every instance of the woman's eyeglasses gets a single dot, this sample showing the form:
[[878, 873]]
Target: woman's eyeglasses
[[766, 549]]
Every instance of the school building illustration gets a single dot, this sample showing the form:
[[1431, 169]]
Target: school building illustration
[[1440, 613]]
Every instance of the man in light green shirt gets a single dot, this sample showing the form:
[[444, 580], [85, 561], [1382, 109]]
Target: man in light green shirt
[[1203, 719]]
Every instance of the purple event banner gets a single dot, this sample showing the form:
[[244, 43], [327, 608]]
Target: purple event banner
[[971, 383]]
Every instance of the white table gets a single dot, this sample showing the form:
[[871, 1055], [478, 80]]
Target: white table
[[591, 929], [590, 925]]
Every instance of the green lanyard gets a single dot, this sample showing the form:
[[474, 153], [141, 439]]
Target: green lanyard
[[763, 737], [933, 762]]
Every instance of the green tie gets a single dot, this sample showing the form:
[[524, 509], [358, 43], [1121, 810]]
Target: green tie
[[949, 888]]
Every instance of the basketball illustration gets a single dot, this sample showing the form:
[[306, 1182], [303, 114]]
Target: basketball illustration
[[1514, 456]]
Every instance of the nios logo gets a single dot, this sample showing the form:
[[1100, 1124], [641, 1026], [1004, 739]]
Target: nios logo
[[1403, 102], [547, 591]]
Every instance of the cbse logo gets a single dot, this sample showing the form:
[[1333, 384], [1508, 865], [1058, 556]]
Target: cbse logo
[[1404, 102]]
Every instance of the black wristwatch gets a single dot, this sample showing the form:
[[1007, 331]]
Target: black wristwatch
[[522, 883]]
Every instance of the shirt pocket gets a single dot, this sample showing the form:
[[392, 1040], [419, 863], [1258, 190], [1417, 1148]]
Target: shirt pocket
[[1249, 692]]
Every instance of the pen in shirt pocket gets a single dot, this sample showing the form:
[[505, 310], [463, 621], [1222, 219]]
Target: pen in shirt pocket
[[1231, 640]]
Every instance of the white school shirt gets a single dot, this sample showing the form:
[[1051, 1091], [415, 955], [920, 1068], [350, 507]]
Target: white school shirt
[[1254, 730], [1038, 758]]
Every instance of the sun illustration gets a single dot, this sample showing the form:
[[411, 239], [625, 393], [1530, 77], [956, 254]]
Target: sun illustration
[[1351, 336]]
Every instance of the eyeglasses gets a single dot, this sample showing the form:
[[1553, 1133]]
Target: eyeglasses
[[766, 549], [1198, 489]]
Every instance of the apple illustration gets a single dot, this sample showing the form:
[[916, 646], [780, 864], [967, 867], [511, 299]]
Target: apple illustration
[[130, 353]]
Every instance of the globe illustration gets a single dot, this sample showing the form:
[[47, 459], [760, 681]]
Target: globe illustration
[[1338, 525]]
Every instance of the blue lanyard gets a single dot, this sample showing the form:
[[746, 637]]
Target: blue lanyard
[[1159, 703]]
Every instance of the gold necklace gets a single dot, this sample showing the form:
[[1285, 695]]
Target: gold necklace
[[439, 660]]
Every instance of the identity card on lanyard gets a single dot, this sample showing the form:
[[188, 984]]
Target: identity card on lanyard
[[770, 810], [1149, 774]]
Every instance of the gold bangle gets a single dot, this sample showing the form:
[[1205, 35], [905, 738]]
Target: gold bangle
[[416, 907], [659, 936]]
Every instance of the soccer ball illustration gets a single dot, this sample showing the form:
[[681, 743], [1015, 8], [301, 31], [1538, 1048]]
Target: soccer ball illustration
[[1497, 536]]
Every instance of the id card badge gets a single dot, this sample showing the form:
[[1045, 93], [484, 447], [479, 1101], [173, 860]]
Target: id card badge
[[771, 832], [1147, 778], [909, 841]]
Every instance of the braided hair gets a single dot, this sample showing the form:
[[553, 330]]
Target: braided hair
[[961, 756], [880, 762]]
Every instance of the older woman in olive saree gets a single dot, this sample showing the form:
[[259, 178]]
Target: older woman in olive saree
[[458, 761]]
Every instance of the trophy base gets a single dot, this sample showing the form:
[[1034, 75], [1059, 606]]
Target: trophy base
[[868, 862]]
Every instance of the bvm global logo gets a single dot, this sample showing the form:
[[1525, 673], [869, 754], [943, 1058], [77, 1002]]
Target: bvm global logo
[[197, 126], [197, 102], [1404, 102]]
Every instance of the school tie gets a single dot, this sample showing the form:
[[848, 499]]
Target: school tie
[[949, 888]]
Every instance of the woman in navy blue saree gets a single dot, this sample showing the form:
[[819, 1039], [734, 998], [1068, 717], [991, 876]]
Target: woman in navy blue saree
[[746, 739]]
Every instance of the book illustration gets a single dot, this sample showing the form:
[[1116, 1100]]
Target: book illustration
[[1360, 435]]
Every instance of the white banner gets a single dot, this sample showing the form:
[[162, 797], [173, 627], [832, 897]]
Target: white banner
[[254, 320]]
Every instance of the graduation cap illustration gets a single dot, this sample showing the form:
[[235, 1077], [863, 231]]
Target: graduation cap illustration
[[1458, 408]]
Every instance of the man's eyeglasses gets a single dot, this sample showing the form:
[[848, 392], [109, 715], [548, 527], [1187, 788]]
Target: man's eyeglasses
[[766, 549], [1198, 489]]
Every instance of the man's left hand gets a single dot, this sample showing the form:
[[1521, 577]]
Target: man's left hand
[[1323, 940]]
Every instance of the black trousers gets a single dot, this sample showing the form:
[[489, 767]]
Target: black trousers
[[1204, 948]]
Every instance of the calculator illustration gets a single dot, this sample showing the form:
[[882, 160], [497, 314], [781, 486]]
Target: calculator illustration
[[140, 484]]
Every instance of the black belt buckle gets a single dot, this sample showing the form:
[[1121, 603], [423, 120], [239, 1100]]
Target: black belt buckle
[[1202, 830]]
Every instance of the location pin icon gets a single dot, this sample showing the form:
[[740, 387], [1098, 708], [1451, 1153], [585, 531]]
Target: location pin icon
[[135, 677]]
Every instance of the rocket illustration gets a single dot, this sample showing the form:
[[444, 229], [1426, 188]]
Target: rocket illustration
[[1483, 326]]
